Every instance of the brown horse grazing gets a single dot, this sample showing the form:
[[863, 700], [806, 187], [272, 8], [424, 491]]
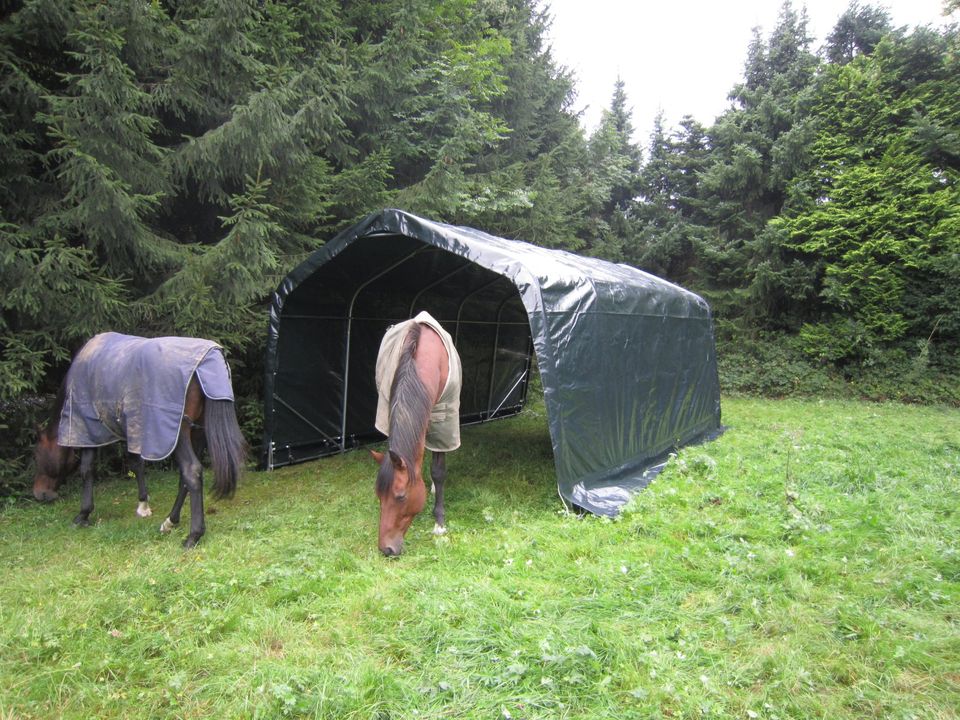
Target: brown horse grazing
[[418, 379], [150, 394]]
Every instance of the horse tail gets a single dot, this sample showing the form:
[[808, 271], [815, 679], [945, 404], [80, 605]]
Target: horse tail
[[225, 443]]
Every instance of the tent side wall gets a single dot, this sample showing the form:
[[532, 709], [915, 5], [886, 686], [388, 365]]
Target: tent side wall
[[629, 373], [656, 394]]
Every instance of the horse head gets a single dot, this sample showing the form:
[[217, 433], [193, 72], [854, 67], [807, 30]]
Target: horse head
[[53, 463], [402, 494]]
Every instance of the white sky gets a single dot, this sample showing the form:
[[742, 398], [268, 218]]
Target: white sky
[[682, 56]]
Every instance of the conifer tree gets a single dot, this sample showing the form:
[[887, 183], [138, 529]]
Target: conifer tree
[[877, 215], [615, 164], [55, 291], [165, 164], [136, 129], [666, 213], [857, 32], [757, 148]]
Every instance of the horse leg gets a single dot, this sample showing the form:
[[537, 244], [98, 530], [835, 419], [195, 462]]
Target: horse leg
[[173, 519], [87, 456], [438, 474], [143, 507], [198, 441], [191, 481]]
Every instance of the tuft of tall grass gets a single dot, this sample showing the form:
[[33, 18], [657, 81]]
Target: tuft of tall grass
[[805, 564]]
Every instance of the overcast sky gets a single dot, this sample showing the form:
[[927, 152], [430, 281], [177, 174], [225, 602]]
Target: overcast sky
[[682, 56]]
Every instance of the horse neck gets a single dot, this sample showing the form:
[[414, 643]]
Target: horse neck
[[49, 456], [51, 430]]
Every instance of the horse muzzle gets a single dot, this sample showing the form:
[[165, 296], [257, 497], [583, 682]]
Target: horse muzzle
[[392, 549], [44, 488], [46, 496]]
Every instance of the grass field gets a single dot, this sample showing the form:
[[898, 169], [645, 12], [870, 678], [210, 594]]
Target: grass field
[[804, 565]]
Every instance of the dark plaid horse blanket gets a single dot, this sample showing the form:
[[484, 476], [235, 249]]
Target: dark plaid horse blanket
[[133, 389]]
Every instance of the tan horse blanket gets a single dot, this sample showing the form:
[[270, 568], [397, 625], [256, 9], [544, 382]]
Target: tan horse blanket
[[443, 432], [133, 389]]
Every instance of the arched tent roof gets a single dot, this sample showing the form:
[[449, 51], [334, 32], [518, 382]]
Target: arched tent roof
[[627, 360]]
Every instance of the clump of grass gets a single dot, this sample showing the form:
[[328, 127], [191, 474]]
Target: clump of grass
[[803, 565]]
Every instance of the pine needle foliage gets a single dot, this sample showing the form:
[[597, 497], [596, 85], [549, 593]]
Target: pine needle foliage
[[166, 163]]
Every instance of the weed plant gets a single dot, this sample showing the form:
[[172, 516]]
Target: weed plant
[[803, 565]]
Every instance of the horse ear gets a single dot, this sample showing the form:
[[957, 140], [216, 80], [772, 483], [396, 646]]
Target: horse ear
[[397, 461], [377, 456]]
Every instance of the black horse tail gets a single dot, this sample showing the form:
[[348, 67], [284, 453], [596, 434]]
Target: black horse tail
[[225, 443]]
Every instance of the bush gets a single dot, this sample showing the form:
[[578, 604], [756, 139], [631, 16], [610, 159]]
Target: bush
[[778, 365], [772, 365]]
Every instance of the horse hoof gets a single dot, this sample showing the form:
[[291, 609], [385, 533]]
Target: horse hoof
[[144, 510], [191, 541], [439, 529], [81, 521], [167, 525]]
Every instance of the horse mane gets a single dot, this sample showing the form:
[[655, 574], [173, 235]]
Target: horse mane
[[410, 407]]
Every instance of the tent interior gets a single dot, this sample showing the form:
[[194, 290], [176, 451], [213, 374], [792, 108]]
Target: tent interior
[[333, 324]]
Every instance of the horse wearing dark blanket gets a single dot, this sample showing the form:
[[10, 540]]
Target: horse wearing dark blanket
[[156, 395]]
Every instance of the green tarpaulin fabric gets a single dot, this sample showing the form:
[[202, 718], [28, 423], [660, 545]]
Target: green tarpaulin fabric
[[627, 360]]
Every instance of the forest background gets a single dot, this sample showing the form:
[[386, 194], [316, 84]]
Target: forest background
[[165, 164]]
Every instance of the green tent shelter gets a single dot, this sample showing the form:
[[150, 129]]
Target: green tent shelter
[[627, 360]]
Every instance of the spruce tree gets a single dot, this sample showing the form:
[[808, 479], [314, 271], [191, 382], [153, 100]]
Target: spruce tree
[[138, 133], [857, 32], [165, 164], [666, 214], [757, 148], [876, 217], [615, 164]]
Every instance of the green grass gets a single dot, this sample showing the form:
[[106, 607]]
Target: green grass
[[804, 565]]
